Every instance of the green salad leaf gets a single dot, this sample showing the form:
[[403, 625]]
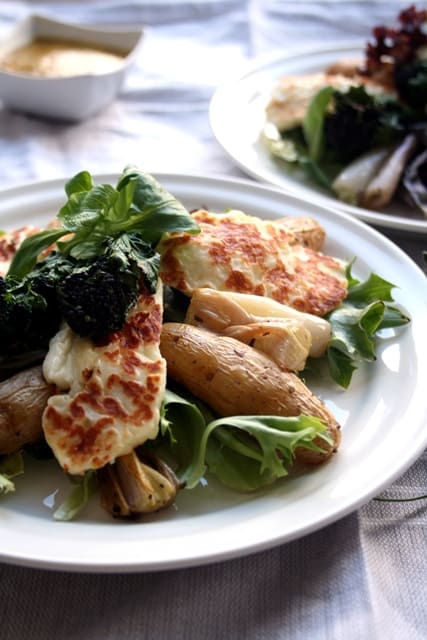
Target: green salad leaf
[[339, 128], [94, 213], [104, 248], [10, 466], [244, 452], [292, 149], [305, 145], [313, 125], [250, 452], [356, 323], [83, 488], [181, 429], [29, 250]]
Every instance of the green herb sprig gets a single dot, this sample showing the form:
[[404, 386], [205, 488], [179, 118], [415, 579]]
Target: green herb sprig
[[93, 213], [355, 325]]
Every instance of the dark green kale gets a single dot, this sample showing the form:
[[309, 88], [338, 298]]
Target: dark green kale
[[95, 298], [350, 128], [411, 82], [29, 314], [106, 242], [48, 273], [360, 121], [25, 324]]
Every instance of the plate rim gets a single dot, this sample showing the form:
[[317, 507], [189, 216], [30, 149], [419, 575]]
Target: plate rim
[[259, 66], [111, 566]]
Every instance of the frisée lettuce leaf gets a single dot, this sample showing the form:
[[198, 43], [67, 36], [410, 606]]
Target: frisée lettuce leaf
[[244, 452]]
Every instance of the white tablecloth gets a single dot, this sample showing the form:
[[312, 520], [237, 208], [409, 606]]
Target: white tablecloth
[[362, 578]]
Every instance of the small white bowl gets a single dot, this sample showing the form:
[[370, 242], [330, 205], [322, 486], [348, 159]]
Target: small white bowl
[[73, 97]]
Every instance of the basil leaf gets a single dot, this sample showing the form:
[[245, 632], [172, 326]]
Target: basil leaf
[[95, 213], [154, 210], [80, 182], [85, 210]]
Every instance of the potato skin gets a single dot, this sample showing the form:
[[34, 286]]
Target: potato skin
[[235, 379], [23, 398]]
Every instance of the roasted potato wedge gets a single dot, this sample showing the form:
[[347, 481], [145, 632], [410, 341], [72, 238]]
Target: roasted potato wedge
[[233, 379], [23, 398]]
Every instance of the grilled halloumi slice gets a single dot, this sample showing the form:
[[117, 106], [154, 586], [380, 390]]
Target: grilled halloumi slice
[[111, 393], [238, 252]]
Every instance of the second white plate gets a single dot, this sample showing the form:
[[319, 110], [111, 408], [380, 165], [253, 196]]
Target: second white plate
[[237, 116]]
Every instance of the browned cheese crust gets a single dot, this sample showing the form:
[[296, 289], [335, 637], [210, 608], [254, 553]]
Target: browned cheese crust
[[240, 253]]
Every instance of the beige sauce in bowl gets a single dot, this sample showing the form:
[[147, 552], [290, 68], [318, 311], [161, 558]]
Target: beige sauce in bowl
[[54, 58]]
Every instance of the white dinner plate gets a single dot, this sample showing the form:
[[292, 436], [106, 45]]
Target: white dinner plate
[[383, 417], [237, 116]]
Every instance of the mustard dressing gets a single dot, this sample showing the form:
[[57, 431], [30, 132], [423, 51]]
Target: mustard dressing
[[54, 58]]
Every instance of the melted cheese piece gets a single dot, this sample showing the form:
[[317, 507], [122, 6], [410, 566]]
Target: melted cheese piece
[[112, 392], [237, 252]]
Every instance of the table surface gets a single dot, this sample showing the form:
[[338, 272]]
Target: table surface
[[360, 578]]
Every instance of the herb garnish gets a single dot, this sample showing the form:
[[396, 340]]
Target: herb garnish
[[357, 321], [105, 248]]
